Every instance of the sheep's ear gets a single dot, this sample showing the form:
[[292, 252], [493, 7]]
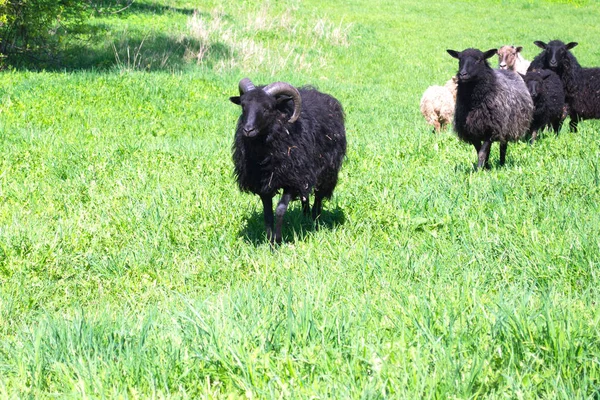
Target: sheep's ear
[[453, 53], [283, 99], [519, 48], [571, 45], [490, 53], [540, 44], [281, 103], [235, 100]]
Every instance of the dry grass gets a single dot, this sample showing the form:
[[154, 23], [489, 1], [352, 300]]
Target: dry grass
[[204, 31], [337, 35], [265, 40]]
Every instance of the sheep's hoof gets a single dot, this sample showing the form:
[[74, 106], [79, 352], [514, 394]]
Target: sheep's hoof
[[274, 244]]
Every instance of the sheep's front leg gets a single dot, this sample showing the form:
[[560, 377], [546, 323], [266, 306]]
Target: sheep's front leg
[[503, 148], [317, 209], [573, 123], [305, 205], [531, 141], [279, 212], [483, 154], [557, 125], [268, 214]]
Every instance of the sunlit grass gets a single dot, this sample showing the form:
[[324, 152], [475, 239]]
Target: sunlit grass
[[131, 265]]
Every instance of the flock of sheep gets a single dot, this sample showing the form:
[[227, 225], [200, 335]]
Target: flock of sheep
[[293, 140], [489, 105]]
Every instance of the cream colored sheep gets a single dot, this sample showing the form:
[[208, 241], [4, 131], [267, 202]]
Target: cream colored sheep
[[437, 104], [509, 57]]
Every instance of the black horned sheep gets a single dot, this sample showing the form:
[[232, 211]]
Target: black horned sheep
[[296, 155], [510, 58], [581, 85], [491, 105], [548, 100], [437, 104]]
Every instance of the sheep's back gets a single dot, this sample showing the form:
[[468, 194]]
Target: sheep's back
[[514, 104], [521, 65], [436, 102], [549, 105], [538, 62], [324, 118], [500, 110], [293, 156], [586, 100]]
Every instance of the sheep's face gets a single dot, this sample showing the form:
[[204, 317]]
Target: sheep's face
[[554, 52], [259, 111], [507, 56], [471, 63], [534, 83]]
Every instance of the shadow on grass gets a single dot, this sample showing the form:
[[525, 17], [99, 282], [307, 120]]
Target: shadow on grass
[[296, 226], [493, 162], [99, 47], [153, 8], [471, 168], [154, 52]]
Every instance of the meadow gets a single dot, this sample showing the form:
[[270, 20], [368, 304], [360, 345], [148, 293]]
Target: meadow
[[132, 267]]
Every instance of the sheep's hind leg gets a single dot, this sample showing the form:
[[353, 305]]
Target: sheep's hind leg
[[503, 148], [317, 210], [268, 215], [279, 213], [531, 141], [573, 123], [483, 154], [477, 145]]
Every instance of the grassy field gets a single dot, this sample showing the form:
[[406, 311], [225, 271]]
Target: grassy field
[[132, 267]]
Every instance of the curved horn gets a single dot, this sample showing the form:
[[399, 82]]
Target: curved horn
[[246, 85], [279, 88]]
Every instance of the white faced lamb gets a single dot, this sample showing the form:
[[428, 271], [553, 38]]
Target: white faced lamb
[[491, 105], [510, 58], [582, 85], [437, 104], [297, 155], [548, 99]]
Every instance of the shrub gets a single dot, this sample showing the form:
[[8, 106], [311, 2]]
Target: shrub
[[28, 26]]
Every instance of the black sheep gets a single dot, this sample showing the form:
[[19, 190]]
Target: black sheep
[[581, 85], [548, 99], [491, 105], [274, 152]]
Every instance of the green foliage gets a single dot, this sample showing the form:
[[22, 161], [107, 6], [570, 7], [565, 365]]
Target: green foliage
[[36, 25], [3, 21], [3, 12], [132, 267]]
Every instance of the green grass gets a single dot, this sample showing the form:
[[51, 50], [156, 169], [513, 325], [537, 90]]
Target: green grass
[[132, 267]]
